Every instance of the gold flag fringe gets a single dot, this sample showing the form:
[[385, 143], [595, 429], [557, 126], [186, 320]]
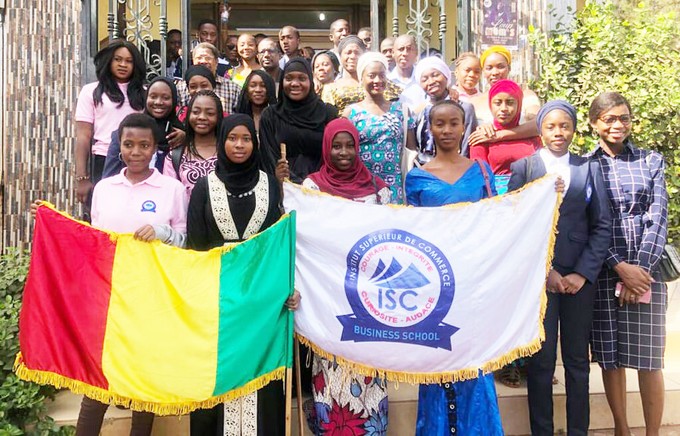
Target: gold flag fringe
[[160, 409], [465, 373]]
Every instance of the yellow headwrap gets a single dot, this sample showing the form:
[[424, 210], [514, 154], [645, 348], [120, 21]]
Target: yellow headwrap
[[495, 49]]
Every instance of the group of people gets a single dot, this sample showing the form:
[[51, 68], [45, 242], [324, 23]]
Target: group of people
[[211, 150]]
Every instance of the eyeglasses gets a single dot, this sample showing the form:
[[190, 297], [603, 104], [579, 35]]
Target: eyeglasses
[[610, 120], [231, 46], [267, 51]]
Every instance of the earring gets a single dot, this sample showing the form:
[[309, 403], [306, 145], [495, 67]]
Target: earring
[[120, 157]]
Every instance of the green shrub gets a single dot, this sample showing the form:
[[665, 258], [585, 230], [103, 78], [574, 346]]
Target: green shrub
[[637, 55], [22, 404]]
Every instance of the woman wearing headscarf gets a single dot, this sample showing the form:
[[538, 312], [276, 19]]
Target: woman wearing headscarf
[[382, 125], [197, 78], [232, 204], [348, 89], [161, 102], [505, 102], [583, 234], [343, 174], [434, 76], [298, 120], [258, 93], [325, 66], [495, 62]]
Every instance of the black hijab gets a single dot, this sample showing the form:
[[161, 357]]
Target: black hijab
[[165, 125], [238, 178], [200, 70], [310, 113], [244, 105]]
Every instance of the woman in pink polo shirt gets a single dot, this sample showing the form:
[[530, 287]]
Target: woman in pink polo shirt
[[102, 105], [142, 201]]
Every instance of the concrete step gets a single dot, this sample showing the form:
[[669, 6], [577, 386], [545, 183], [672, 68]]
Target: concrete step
[[512, 401], [404, 404]]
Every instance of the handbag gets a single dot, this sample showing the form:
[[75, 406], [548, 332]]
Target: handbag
[[485, 173], [669, 266]]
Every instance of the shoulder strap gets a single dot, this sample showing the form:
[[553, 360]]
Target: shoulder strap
[[176, 158], [530, 165], [489, 193]]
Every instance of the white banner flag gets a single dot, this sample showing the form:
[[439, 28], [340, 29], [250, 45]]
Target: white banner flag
[[423, 294]]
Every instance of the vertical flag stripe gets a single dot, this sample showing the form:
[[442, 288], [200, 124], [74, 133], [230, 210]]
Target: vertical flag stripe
[[262, 291], [66, 299], [161, 315]]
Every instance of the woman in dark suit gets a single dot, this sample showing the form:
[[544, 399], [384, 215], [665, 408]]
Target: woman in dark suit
[[580, 249]]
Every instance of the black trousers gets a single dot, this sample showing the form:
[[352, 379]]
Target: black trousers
[[96, 170], [91, 417], [574, 315]]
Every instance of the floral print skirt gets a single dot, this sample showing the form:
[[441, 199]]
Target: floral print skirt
[[345, 403]]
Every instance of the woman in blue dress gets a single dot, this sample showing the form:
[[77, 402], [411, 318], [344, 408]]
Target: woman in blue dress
[[469, 407]]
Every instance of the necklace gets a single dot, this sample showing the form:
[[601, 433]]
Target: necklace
[[245, 194]]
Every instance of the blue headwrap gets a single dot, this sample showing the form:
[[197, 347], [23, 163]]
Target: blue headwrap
[[551, 106]]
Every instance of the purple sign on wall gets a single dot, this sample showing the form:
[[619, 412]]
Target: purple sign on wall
[[500, 23]]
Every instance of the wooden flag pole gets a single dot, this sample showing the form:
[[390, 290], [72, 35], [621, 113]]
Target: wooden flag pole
[[283, 151], [289, 401], [298, 382]]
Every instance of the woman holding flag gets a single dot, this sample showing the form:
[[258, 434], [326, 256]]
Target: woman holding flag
[[337, 393], [468, 407], [229, 205], [116, 207]]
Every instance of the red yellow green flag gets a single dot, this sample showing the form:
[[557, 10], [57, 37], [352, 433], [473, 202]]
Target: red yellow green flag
[[153, 327]]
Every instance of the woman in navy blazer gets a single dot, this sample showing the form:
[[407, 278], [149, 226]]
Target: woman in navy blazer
[[580, 249]]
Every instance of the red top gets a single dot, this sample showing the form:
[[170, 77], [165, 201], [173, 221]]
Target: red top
[[501, 154]]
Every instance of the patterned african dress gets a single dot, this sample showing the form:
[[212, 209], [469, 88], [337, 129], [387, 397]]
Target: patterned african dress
[[346, 403], [632, 335], [381, 138]]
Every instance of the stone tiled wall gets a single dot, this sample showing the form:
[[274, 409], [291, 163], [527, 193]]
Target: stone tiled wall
[[40, 81]]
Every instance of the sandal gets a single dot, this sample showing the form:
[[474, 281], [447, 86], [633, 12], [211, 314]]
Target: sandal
[[509, 376]]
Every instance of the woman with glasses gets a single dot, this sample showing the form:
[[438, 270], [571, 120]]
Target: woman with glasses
[[629, 319]]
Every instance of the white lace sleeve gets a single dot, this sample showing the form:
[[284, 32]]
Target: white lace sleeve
[[168, 235]]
